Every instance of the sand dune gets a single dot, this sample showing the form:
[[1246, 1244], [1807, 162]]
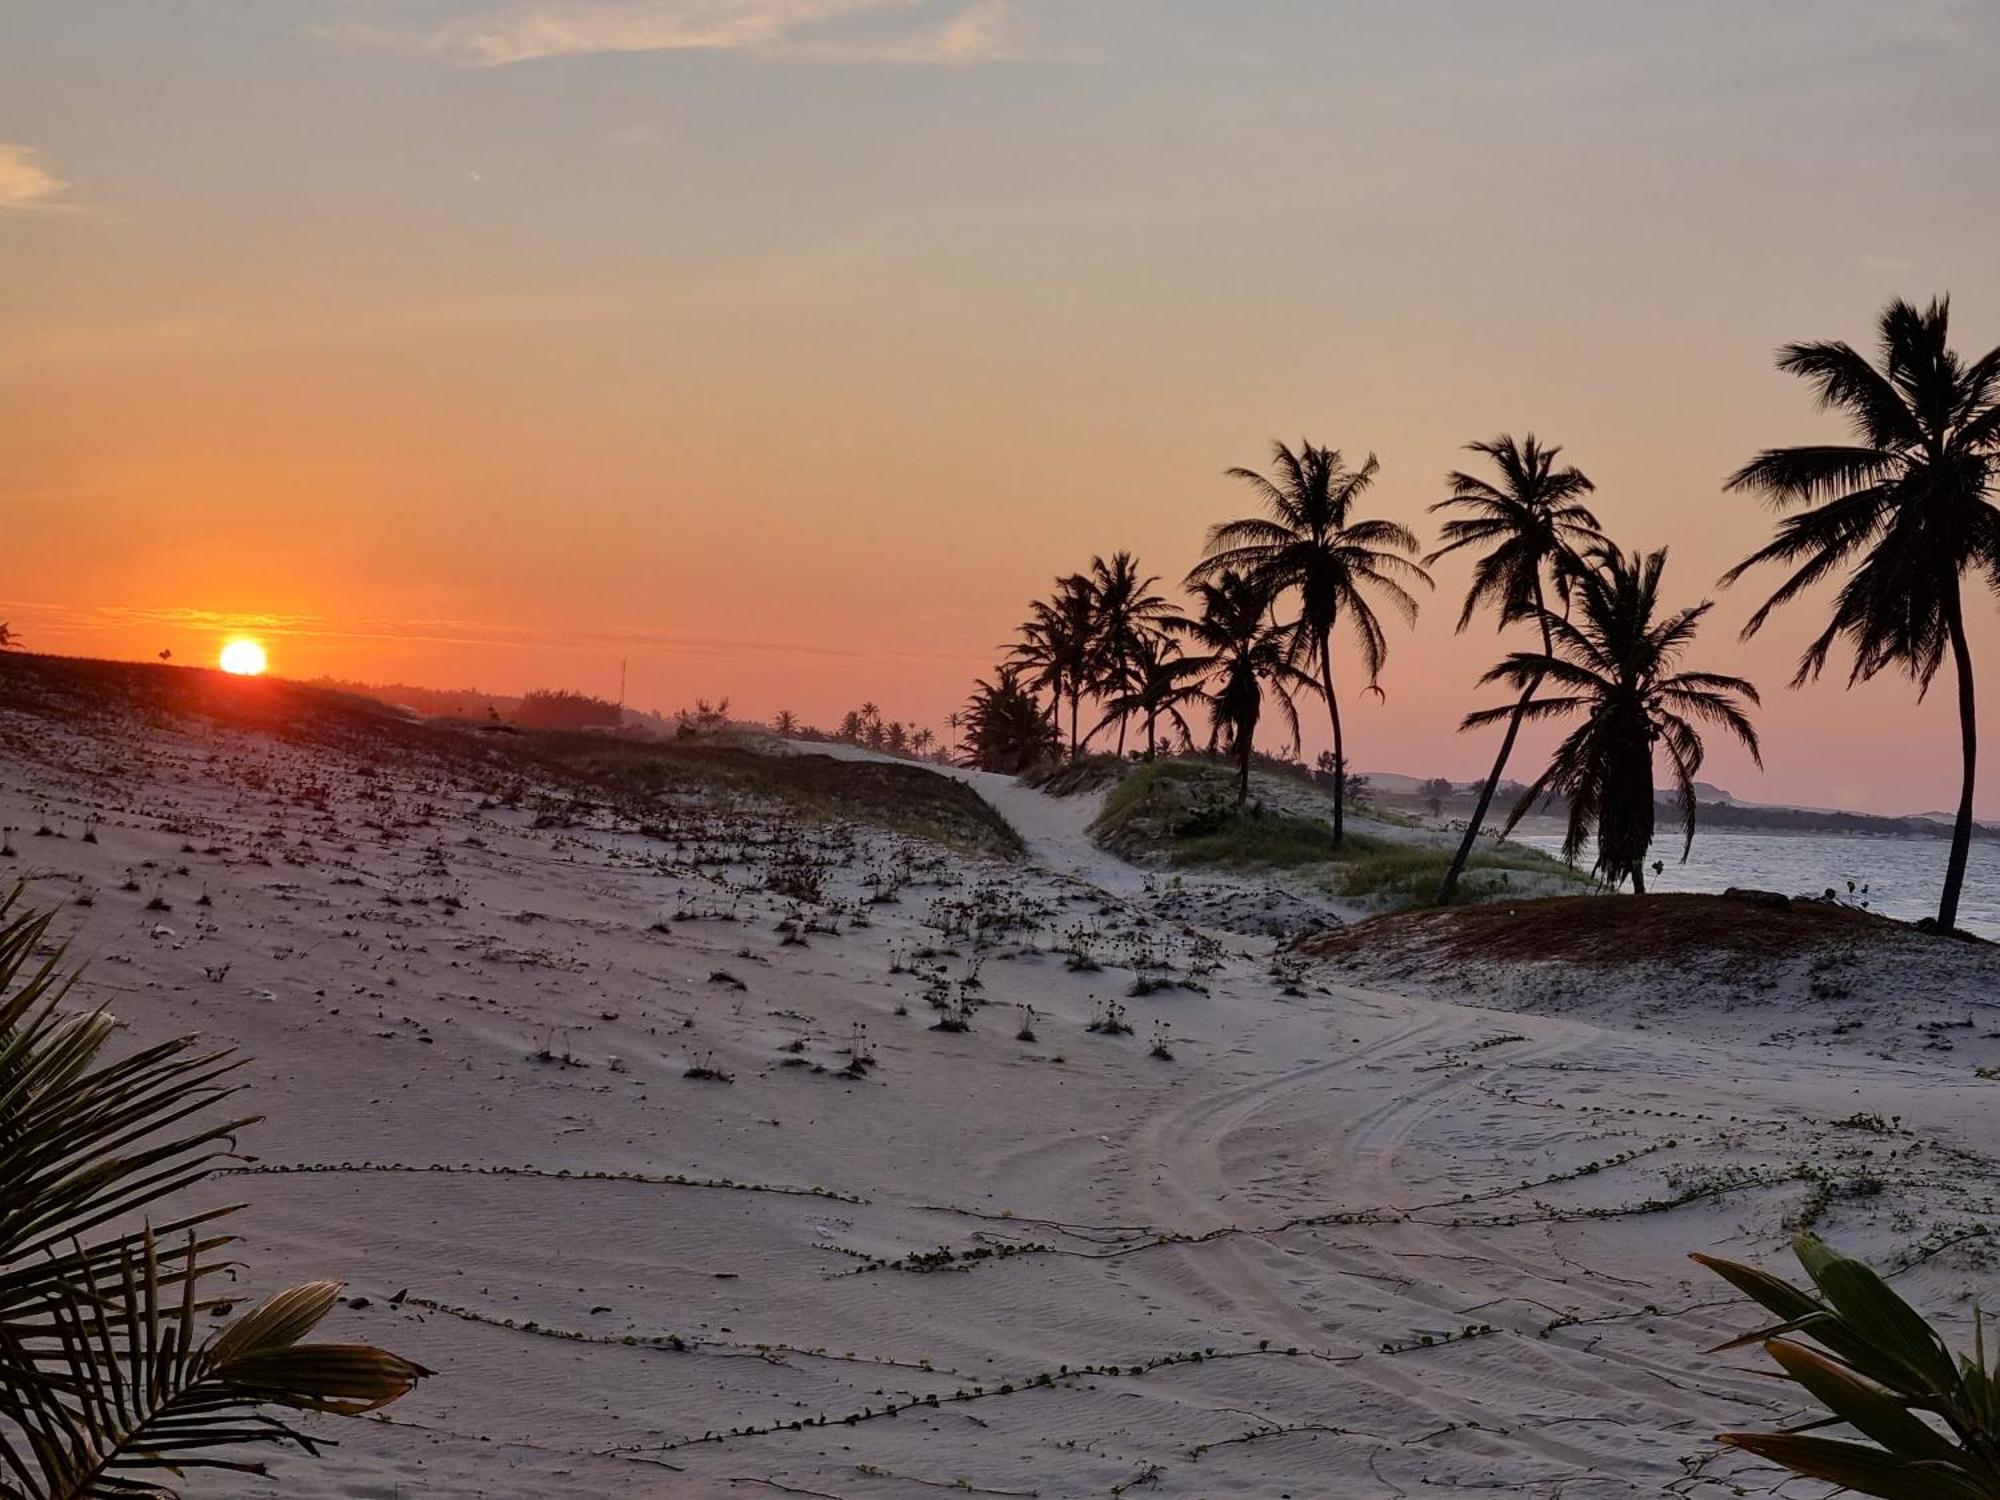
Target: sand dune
[[1342, 1241]]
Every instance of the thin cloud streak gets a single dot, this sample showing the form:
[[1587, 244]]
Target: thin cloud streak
[[939, 32]]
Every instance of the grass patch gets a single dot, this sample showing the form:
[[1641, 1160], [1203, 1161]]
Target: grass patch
[[892, 794], [1413, 872], [1184, 812]]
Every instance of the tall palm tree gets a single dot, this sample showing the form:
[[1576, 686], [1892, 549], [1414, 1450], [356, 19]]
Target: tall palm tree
[[1905, 511], [1309, 542], [1124, 609], [1160, 680], [1057, 647], [1615, 665], [1534, 526], [1242, 652]]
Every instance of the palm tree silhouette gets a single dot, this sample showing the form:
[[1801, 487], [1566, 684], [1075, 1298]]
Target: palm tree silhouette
[[1056, 647], [1160, 679], [1306, 541], [1534, 527], [1243, 653], [1005, 728], [1905, 510], [1614, 665], [1123, 612]]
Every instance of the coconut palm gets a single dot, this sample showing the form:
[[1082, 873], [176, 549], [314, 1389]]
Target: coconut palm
[[1124, 611], [1005, 728], [1308, 541], [108, 1384], [1241, 652], [1533, 526], [1159, 680], [1615, 666], [1056, 648], [1904, 512]]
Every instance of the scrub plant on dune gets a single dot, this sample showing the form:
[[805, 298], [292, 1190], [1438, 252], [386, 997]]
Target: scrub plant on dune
[[1880, 1370], [107, 1388]]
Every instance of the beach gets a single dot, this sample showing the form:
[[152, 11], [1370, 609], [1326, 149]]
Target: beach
[[653, 1140]]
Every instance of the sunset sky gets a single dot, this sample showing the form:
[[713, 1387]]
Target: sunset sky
[[786, 347]]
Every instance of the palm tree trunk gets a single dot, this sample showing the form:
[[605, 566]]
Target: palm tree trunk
[[1121, 736], [1339, 745], [1151, 718], [1968, 734], [1639, 880], [1466, 844], [1492, 783], [1073, 698], [1243, 768]]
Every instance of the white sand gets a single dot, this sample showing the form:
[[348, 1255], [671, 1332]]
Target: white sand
[[1351, 1174]]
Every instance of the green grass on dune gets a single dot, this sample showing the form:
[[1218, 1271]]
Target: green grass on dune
[[1413, 872], [1183, 812]]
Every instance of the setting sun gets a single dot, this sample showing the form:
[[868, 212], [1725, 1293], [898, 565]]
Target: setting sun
[[245, 658]]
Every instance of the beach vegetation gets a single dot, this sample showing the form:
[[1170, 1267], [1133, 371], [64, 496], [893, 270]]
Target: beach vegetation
[[1927, 1421], [1532, 529], [1902, 515], [1616, 667], [115, 1376], [1309, 546]]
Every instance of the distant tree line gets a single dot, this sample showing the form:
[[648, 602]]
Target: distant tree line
[[559, 708]]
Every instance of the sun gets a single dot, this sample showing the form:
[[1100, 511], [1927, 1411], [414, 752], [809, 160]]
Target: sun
[[243, 657]]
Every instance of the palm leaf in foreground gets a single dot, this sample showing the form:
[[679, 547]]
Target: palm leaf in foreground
[[104, 1382], [1932, 1423]]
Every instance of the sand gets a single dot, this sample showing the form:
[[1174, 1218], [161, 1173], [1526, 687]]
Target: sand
[[1358, 1235]]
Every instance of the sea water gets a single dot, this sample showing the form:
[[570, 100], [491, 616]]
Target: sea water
[[1899, 877]]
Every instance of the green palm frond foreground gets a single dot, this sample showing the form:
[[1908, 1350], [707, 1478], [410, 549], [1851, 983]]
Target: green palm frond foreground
[[107, 1388], [1932, 1421]]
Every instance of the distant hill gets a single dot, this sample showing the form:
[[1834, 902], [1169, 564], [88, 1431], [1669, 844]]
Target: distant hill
[[1719, 810]]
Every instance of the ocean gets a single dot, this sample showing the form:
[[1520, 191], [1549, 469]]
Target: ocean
[[1898, 877]]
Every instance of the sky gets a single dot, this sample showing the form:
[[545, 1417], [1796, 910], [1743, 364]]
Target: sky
[[783, 349]]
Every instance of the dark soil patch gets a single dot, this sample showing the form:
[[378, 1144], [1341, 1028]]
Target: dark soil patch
[[1611, 929]]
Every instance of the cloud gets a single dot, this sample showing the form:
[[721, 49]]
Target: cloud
[[23, 182], [889, 31]]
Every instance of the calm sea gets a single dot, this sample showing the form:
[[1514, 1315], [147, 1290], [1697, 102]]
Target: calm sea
[[1901, 875]]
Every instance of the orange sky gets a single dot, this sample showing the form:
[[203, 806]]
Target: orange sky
[[784, 347]]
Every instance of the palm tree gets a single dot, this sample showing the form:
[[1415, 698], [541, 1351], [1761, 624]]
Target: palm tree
[[786, 722], [1124, 610], [108, 1383], [1243, 652], [1615, 665], [1159, 681], [1005, 728], [1534, 527], [1308, 541], [1057, 646], [1905, 511]]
